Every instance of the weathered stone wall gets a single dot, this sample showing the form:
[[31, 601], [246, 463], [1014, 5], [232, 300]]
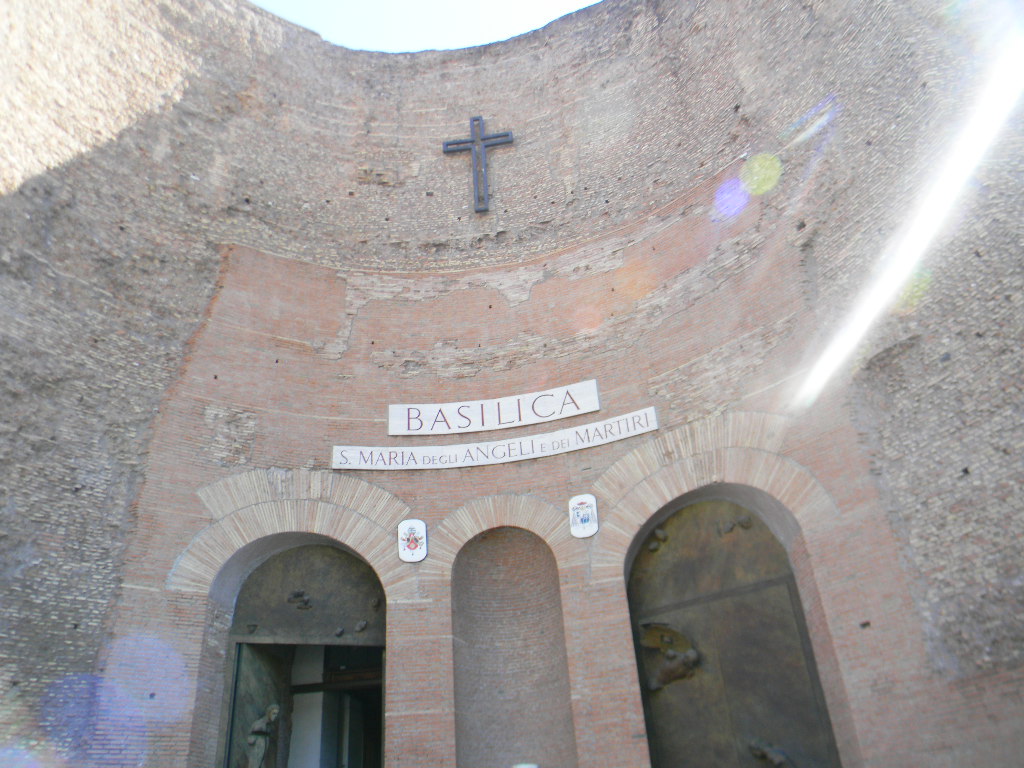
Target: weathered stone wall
[[940, 401], [140, 141]]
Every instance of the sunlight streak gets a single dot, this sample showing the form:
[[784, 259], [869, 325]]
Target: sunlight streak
[[995, 104]]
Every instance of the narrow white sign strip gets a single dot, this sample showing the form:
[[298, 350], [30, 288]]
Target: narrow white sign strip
[[497, 451], [503, 413]]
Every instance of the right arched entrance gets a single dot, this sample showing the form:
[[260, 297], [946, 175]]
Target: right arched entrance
[[725, 664]]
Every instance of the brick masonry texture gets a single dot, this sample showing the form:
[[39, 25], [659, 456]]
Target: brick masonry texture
[[507, 626], [226, 246]]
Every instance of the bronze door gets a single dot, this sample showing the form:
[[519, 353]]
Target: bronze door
[[725, 664]]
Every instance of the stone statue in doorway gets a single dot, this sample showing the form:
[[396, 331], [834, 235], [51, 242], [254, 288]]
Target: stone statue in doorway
[[259, 736], [762, 750]]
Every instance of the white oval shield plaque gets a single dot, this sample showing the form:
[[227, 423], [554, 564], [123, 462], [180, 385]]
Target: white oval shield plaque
[[412, 540], [583, 515]]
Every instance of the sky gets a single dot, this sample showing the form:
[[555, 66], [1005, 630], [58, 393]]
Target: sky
[[417, 25]]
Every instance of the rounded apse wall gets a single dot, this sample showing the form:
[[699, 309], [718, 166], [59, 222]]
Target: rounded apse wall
[[152, 357], [319, 153], [512, 702]]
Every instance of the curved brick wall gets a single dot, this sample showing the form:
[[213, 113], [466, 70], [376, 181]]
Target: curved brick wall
[[227, 245]]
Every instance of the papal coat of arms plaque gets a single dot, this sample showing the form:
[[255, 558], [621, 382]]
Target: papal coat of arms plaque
[[412, 540]]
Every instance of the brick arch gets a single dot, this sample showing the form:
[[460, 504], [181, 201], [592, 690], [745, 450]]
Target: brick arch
[[488, 512], [739, 457], [544, 725], [731, 453], [258, 513]]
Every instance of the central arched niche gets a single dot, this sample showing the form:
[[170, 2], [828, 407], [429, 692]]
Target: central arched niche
[[308, 635], [512, 702], [727, 673]]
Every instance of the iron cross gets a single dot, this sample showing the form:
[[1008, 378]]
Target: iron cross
[[478, 143]]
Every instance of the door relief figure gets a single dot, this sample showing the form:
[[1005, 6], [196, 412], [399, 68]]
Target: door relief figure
[[259, 736]]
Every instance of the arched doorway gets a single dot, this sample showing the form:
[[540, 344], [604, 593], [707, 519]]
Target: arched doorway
[[307, 642], [726, 669]]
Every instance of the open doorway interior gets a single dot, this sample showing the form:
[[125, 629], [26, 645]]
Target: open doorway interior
[[307, 706], [306, 687]]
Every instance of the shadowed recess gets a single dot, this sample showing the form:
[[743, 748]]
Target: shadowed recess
[[511, 675]]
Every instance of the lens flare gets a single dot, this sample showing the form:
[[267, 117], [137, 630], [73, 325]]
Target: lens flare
[[954, 9], [68, 711], [914, 292], [813, 121], [86, 717], [730, 199], [148, 672], [586, 318], [761, 173], [13, 757], [635, 280]]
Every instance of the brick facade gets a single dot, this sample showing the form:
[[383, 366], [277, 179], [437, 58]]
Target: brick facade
[[228, 246]]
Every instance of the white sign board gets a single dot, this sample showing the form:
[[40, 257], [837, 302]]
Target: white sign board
[[583, 515], [503, 413], [412, 540], [497, 451]]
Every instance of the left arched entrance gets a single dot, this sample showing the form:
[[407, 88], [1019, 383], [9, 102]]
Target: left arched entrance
[[307, 642]]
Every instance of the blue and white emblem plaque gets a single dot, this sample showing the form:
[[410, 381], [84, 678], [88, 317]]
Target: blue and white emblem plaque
[[583, 515]]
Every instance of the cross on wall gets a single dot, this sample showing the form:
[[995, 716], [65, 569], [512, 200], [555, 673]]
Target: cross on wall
[[478, 143]]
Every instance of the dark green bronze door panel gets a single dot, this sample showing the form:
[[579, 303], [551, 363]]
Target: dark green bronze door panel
[[726, 669], [260, 681], [685, 717]]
